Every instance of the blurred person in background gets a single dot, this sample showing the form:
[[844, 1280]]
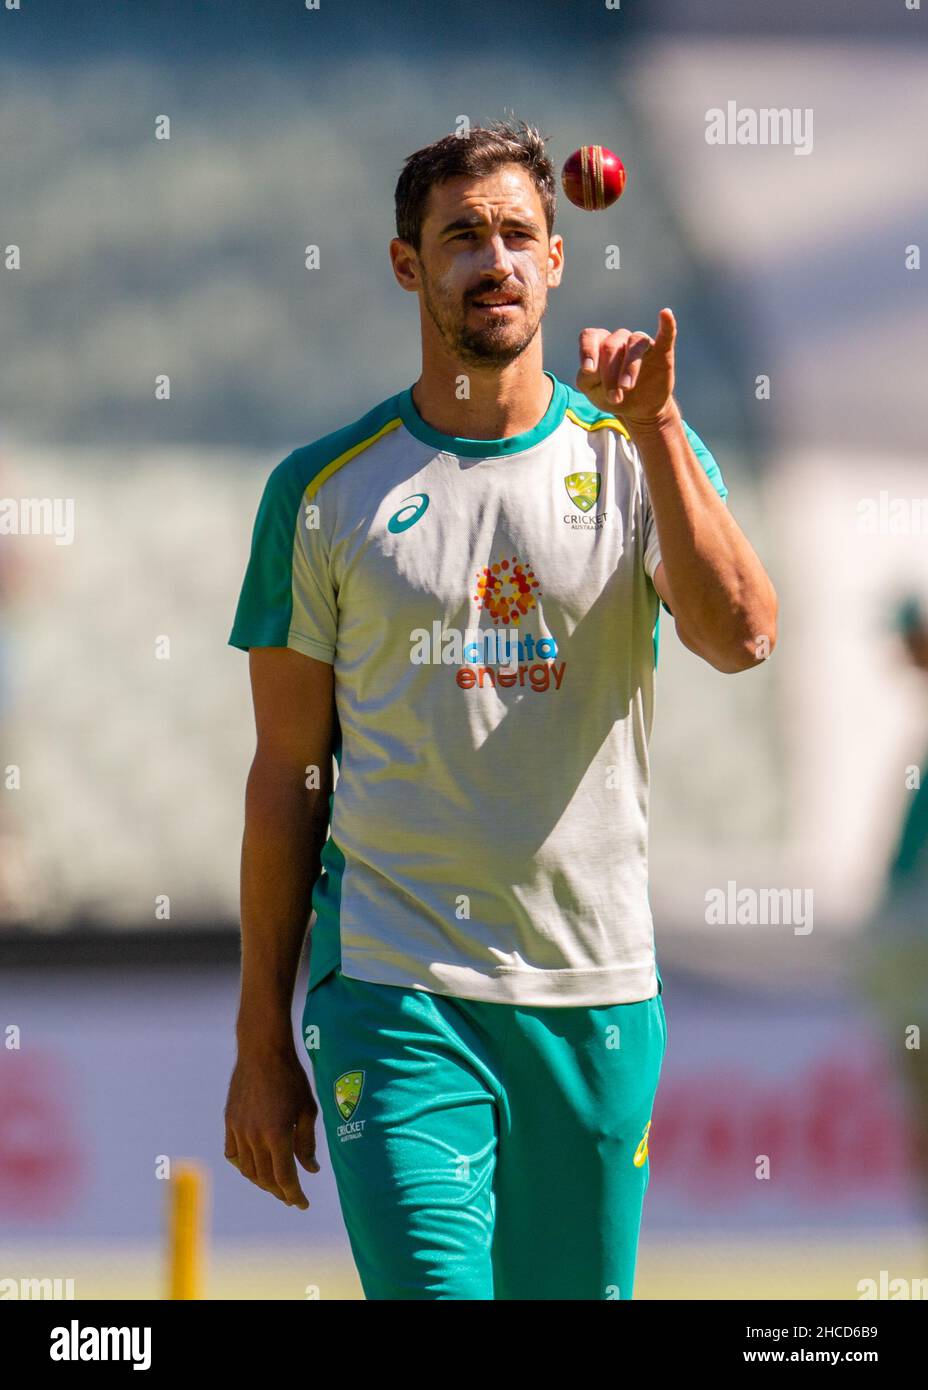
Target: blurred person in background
[[909, 864], [894, 967]]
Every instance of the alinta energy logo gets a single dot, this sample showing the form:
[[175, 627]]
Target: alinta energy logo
[[583, 491], [502, 655], [505, 590]]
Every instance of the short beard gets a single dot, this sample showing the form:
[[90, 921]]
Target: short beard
[[473, 347]]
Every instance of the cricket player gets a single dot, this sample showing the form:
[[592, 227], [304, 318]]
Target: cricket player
[[456, 598]]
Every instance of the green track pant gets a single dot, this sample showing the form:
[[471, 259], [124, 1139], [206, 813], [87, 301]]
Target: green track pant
[[485, 1151]]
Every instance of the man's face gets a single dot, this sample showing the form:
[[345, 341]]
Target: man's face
[[486, 239]]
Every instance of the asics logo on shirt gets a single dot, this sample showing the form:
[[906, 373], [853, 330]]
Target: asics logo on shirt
[[409, 513]]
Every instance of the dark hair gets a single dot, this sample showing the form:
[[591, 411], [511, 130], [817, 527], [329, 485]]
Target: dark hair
[[478, 153]]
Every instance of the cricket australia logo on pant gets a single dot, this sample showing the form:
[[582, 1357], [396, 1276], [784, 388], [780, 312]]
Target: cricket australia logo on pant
[[348, 1088]]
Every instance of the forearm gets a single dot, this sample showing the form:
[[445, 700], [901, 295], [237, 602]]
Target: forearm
[[723, 601], [285, 829]]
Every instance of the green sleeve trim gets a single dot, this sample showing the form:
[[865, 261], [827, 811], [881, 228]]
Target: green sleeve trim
[[265, 605], [713, 473], [712, 470]]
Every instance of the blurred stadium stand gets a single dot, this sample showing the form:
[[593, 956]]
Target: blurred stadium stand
[[186, 257]]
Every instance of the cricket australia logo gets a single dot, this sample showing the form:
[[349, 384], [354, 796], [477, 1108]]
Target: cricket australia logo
[[348, 1088], [583, 491]]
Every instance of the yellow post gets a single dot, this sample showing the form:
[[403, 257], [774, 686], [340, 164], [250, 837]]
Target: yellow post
[[187, 1198]]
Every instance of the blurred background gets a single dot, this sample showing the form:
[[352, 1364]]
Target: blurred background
[[125, 720]]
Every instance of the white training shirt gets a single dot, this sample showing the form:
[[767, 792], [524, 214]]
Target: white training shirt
[[489, 824]]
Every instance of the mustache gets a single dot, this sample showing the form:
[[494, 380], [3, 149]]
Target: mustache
[[495, 289]]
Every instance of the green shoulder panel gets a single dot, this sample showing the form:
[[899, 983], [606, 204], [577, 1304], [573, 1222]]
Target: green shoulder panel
[[591, 414], [265, 605], [583, 407]]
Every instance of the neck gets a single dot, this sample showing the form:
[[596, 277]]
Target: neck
[[502, 402]]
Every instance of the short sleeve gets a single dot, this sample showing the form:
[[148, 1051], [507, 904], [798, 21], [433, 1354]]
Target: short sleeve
[[652, 550], [287, 597]]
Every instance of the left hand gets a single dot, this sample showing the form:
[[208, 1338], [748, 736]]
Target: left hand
[[631, 375]]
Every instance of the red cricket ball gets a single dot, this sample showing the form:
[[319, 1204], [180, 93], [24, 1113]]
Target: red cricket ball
[[593, 177]]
